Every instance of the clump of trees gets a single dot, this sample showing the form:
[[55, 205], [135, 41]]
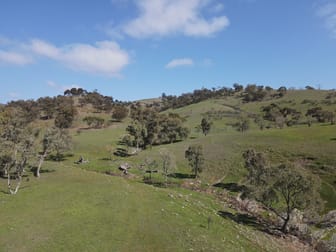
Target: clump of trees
[[21, 140], [17, 142], [120, 112], [75, 92], [321, 115], [99, 102], [94, 121], [281, 188], [281, 116], [66, 112], [148, 128], [253, 93]]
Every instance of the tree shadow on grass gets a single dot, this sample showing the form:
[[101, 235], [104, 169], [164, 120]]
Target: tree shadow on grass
[[252, 221], [333, 139], [181, 175], [232, 187], [159, 184], [58, 158], [34, 170], [121, 152]]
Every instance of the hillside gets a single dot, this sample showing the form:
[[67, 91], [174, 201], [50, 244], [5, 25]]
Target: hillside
[[70, 209], [80, 207]]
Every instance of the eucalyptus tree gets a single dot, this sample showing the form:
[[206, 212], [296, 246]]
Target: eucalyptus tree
[[17, 145], [194, 154], [281, 188]]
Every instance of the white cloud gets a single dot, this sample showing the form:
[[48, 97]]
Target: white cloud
[[218, 7], [4, 40], [328, 13], [169, 17], [105, 57], [44, 48], [60, 87], [63, 88], [14, 95], [51, 84], [180, 62], [14, 58]]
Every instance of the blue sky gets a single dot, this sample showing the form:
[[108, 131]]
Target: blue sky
[[132, 49]]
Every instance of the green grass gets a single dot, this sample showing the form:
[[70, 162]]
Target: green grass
[[75, 210]]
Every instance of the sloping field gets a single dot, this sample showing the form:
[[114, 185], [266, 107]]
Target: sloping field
[[70, 209]]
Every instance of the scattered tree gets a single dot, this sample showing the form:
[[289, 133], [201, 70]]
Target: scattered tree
[[281, 188], [206, 126], [120, 112], [237, 87], [94, 121], [66, 113], [54, 139], [243, 124], [194, 154], [151, 167], [167, 162]]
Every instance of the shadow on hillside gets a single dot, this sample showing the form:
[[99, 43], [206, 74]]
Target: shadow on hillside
[[121, 152], [58, 158], [34, 170], [333, 139], [181, 175], [248, 220], [159, 184], [232, 187]]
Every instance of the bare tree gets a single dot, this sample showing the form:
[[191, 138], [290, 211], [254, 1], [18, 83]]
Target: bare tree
[[168, 162]]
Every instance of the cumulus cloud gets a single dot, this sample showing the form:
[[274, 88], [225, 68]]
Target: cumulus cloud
[[14, 95], [60, 87], [218, 7], [105, 57], [169, 17], [14, 58], [180, 62], [328, 13]]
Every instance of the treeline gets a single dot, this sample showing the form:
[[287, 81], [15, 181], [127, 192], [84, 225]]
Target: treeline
[[198, 95], [250, 93], [65, 106]]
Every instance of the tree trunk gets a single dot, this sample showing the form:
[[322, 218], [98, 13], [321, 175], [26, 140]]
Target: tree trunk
[[17, 185], [43, 156], [8, 181], [284, 226]]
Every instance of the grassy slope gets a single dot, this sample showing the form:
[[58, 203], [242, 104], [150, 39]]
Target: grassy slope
[[315, 146], [76, 210]]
